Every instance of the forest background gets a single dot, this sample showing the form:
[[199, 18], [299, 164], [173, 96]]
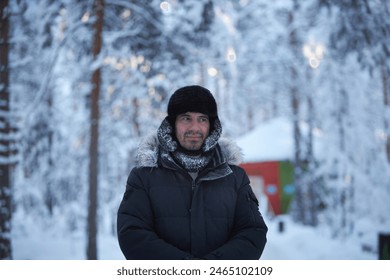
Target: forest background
[[81, 82]]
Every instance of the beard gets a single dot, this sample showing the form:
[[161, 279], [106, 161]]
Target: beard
[[192, 141]]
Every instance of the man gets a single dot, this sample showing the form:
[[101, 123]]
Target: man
[[187, 198]]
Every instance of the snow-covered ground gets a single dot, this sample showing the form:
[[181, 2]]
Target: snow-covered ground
[[295, 243], [306, 243]]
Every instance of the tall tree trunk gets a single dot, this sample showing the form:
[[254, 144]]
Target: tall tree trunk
[[94, 145], [5, 136], [386, 102], [295, 105], [313, 221]]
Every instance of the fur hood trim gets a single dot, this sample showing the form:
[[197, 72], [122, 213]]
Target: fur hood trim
[[147, 152]]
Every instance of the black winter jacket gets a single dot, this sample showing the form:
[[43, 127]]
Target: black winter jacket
[[165, 214]]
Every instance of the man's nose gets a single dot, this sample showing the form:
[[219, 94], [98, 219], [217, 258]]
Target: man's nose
[[195, 125]]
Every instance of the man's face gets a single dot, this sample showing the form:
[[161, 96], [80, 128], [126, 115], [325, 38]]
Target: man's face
[[192, 129]]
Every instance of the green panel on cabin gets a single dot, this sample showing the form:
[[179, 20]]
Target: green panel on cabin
[[286, 177]]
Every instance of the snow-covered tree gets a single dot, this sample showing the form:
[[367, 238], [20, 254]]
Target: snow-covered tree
[[325, 69]]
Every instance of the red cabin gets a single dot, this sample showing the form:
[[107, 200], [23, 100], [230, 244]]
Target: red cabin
[[273, 179], [268, 150]]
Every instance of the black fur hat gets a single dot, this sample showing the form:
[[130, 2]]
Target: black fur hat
[[192, 99]]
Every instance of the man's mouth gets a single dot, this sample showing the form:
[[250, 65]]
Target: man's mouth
[[194, 137]]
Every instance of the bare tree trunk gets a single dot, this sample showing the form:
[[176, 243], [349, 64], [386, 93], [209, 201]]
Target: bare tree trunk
[[5, 136], [94, 145], [295, 105], [313, 220], [386, 102]]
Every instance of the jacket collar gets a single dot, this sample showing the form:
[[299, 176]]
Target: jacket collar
[[148, 152]]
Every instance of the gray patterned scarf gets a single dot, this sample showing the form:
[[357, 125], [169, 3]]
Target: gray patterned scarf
[[187, 159]]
